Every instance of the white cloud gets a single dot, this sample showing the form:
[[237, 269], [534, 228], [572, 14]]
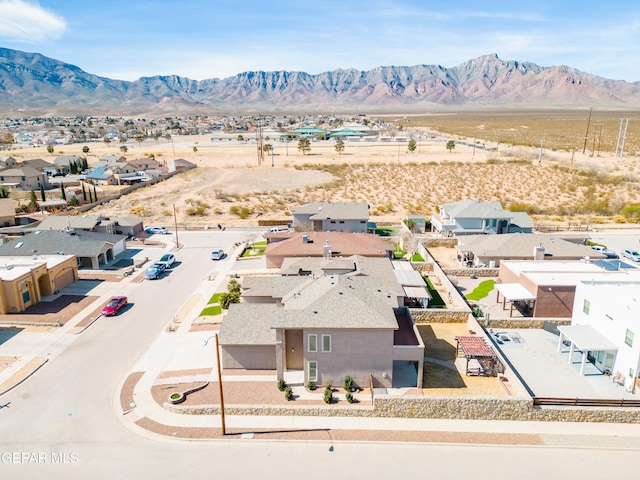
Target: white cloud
[[22, 21]]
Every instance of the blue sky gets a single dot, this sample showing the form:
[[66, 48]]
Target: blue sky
[[218, 38]]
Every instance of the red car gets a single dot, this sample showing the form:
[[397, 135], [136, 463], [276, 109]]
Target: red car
[[114, 305]]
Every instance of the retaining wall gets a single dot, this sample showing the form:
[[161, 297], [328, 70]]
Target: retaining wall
[[439, 315], [523, 323], [454, 408]]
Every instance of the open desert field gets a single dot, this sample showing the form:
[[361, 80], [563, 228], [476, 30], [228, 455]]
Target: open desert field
[[230, 187]]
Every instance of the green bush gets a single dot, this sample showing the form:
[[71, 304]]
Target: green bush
[[349, 397], [288, 393], [311, 386], [282, 385], [348, 383], [328, 395]]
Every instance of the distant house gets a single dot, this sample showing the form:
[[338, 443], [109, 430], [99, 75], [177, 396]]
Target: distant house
[[603, 329], [471, 217], [62, 163], [90, 248], [25, 279], [38, 164], [112, 158], [92, 223], [179, 164], [7, 212], [490, 250], [114, 174], [324, 244], [329, 327], [25, 178], [145, 163], [7, 161], [331, 217]]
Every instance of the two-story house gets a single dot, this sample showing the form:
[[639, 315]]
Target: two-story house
[[326, 327], [471, 217], [331, 217], [603, 329]]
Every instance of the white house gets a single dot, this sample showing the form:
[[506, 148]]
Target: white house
[[606, 319]]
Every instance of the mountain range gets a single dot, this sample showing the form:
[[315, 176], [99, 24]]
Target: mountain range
[[31, 82]]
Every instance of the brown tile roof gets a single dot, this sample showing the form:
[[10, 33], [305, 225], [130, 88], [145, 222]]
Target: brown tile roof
[[342, 244]]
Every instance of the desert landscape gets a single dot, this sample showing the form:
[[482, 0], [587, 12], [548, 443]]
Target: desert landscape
[[555, 185]]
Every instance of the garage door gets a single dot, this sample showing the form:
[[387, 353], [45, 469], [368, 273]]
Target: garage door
[[63, 280]]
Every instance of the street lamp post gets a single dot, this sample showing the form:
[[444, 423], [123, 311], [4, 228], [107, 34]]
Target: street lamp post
[[271, 148], [220, 391]]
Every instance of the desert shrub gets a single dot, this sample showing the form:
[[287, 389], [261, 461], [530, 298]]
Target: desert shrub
[[311, 386], [349, 397], [139, 211], [288, 393], [631, 212], [348, 383], [282, 385], [327, 396]]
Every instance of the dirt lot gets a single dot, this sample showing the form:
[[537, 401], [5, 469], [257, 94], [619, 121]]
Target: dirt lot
[[229, 187]]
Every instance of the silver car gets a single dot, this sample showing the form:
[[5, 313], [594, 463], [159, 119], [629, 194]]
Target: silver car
[[631, 255]]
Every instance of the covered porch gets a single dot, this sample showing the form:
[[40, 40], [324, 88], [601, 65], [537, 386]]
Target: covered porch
[[585, 339], [514, 292]]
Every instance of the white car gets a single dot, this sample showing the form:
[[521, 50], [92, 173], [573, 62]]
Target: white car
[[631, 255], [217, 254], [160, 230], [167, 259]]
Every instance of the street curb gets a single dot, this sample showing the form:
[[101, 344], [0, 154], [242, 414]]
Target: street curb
[[46, 360], [88, 325]]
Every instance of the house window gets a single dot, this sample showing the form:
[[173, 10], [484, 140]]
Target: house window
[[332, 221], [313, 371], [326, 343], [585, 306], [628, 339], [341, 221], [313, 343]]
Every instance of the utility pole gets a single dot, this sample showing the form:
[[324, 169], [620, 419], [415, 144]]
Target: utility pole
[[224, 430], [259, 142], [586, 135], [624, 137], [175, 221]]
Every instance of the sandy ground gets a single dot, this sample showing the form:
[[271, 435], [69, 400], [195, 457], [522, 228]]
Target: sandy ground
[[391, 179]]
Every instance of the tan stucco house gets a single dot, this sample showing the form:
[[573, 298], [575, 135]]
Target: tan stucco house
[[24, 280]]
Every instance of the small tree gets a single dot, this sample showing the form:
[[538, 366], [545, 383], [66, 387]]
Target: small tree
[[63, 194], [85, 164], [304, 145], [339, 147], [124, 149], [240, 138], [84, 192], [412, 145], [139, 139], [95, 194], [33, 200], [50, 148], [195, 149], [85, 149], [42, 195], [106, 139], [451, 144]]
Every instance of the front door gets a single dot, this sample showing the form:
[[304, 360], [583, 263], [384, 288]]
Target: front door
[[293, 352]]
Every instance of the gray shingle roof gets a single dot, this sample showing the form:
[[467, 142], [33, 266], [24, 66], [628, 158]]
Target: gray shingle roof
[[334, 210], [518, 245], [248, 324], [82, 244]]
